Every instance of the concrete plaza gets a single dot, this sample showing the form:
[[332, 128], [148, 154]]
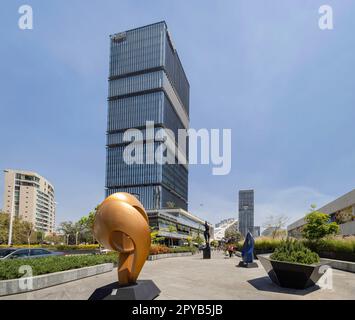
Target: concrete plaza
[[194, 278]]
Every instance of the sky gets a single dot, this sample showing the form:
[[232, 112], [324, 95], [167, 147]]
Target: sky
[[263, 69]]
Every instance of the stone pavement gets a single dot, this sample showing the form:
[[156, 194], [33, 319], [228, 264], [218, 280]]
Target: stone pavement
[[194, 278]]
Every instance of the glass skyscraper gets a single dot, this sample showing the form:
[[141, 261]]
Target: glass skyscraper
[[146, 83], [246, 212]]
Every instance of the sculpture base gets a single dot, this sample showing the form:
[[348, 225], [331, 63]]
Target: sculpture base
[[207, 253], [143, 290], [243, 264]]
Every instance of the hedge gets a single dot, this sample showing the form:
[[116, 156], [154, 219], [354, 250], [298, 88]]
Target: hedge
[[183, 249], [332, 245], [338, 249], [155, 249], [58, 247], [161, 249], [9, 269], [264, 245]]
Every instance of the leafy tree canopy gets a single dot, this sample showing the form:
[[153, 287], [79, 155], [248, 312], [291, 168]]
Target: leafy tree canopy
[[319, 226]]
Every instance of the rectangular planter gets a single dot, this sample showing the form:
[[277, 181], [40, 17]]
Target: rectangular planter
[[292, 275], [10, 287]]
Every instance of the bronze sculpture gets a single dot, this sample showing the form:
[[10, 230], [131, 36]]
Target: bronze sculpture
[[122, 225]]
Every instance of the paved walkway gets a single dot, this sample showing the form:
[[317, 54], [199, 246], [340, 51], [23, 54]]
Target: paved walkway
[[195, 278]]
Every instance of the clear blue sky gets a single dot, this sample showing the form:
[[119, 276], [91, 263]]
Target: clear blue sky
[[262, 68]]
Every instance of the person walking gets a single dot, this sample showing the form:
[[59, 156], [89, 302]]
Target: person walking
[[230, 251]]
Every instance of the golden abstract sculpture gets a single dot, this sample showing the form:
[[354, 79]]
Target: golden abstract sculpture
[[121, 224]]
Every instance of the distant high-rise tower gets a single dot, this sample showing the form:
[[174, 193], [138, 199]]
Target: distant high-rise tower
[[146, 83], [246, 211]]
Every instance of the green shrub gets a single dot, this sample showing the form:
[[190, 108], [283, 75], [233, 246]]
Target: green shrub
[[294, 251], [183, 249], [73, 247], [9, 269], [158, 249], [59, 247], [318, 226]]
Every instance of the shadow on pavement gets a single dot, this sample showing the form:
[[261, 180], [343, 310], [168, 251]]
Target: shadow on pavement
[[265, 284]]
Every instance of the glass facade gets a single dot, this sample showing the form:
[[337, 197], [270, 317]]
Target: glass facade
[[246, 211], [146, 83], [175, 225]]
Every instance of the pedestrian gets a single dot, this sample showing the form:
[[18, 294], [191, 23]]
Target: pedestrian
[[230, 251]]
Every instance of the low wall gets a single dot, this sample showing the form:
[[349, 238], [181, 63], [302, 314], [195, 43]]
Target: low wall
[[341, 265], [342, 256], [10, 287], [169, 255]]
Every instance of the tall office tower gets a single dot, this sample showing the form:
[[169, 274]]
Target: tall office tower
[[29, 196], [147, 83], [246, 211]]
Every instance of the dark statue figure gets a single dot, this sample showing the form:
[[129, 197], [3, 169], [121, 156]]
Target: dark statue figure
[[248, 252], [207, 233], [207, 249]]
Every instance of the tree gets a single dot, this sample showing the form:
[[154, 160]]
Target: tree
[[198, 239], [4, 227], [39, 236], [154, 236], [189, 240], [172, 229], [81, 231], [319, 226], [54, 238], [232, 235], [27, 231], [275, 223], [21, 230], [84, 228], [69, 230]]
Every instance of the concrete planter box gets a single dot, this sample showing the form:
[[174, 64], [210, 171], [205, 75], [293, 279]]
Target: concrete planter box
[[169, 255], [10, 287], [292, 275]]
